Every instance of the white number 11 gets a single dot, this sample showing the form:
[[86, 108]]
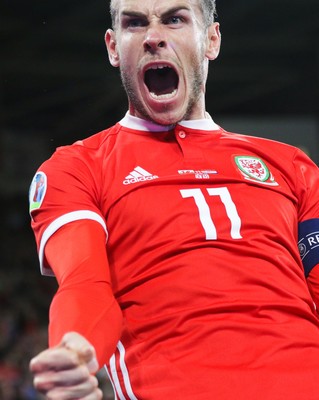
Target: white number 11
[[204, 212]]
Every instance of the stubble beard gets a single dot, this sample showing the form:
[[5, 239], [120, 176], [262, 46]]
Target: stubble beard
[[197, 80]]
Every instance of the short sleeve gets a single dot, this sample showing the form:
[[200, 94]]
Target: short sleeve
[[307, 188], [64, 189]]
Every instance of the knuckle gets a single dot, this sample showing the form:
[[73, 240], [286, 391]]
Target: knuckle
[[50, 396], [40, 385], [94, 381], [84, 373]]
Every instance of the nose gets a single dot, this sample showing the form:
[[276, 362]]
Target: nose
[[153, 40]]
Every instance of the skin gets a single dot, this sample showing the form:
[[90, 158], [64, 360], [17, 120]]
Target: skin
[[163, 32], [148, 34], [66, 371]]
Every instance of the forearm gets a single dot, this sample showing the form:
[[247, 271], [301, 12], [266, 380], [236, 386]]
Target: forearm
[[91, 310], [84, 302]]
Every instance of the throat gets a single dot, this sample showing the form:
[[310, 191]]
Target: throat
[[161, 82]]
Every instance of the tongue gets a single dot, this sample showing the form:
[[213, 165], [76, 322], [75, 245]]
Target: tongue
[[161, 81]]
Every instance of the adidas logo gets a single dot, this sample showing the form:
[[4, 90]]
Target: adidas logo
[[138, 175]]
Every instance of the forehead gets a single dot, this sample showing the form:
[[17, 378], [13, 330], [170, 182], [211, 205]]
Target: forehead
[[155, 6]]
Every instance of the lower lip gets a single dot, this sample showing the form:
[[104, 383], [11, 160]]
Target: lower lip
[[163, 97], [160, 100]]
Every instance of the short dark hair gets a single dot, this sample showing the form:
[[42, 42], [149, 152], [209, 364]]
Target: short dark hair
[[208, 8]]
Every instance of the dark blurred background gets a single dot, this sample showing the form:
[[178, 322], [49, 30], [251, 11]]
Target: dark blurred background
[[56, 86]]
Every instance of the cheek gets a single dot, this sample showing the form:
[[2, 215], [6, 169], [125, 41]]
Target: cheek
[[127, 64], [130, 60], [172, 44]]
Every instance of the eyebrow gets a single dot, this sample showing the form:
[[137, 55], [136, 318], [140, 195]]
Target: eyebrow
[[167, 13], [132, 14], [174, 10]]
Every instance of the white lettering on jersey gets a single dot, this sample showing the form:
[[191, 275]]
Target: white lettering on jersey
[[138, 175]]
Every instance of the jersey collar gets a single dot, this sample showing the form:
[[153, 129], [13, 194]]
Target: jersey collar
[[129, 121]]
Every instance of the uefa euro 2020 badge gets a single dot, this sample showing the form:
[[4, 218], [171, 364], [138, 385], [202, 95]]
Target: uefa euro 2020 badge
[[254, 169], [37, 190]]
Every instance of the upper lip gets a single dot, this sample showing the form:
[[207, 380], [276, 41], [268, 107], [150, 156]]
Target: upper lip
[[158, 65]]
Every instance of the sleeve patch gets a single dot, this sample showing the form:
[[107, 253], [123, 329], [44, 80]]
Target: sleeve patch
[[37, 190], [308, 243]]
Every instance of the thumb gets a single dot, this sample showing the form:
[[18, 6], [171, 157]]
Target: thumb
[[83, 348]]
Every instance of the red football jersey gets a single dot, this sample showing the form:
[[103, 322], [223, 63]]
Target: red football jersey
[[203, 249]]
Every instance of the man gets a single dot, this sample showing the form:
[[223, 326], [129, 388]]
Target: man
[[200, 291]]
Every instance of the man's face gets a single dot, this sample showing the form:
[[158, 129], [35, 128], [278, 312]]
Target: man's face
[[162, 49]]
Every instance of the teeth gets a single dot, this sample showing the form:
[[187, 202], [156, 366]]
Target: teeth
[[163, 96], [159, 66]]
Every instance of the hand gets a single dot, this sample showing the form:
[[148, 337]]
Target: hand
[[65, 372]]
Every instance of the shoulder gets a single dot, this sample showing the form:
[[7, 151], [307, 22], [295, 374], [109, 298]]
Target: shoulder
[[269, 149], [86, 151], [259, 141], [91, 143], [98, 140], [291, 162]]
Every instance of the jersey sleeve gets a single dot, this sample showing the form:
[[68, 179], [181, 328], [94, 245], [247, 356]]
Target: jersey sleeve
[[307, 184], [82, 267], [64, 189], [313, 284], [307, 174]]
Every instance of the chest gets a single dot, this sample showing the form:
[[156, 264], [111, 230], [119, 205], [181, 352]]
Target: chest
[[210, 194]]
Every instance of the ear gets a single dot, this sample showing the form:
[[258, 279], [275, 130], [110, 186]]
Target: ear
[[213, 41], [110, 41]]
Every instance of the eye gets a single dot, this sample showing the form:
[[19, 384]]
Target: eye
[[134, 22], [174, 20]]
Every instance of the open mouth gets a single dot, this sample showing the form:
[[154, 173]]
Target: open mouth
[[161, 81]]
